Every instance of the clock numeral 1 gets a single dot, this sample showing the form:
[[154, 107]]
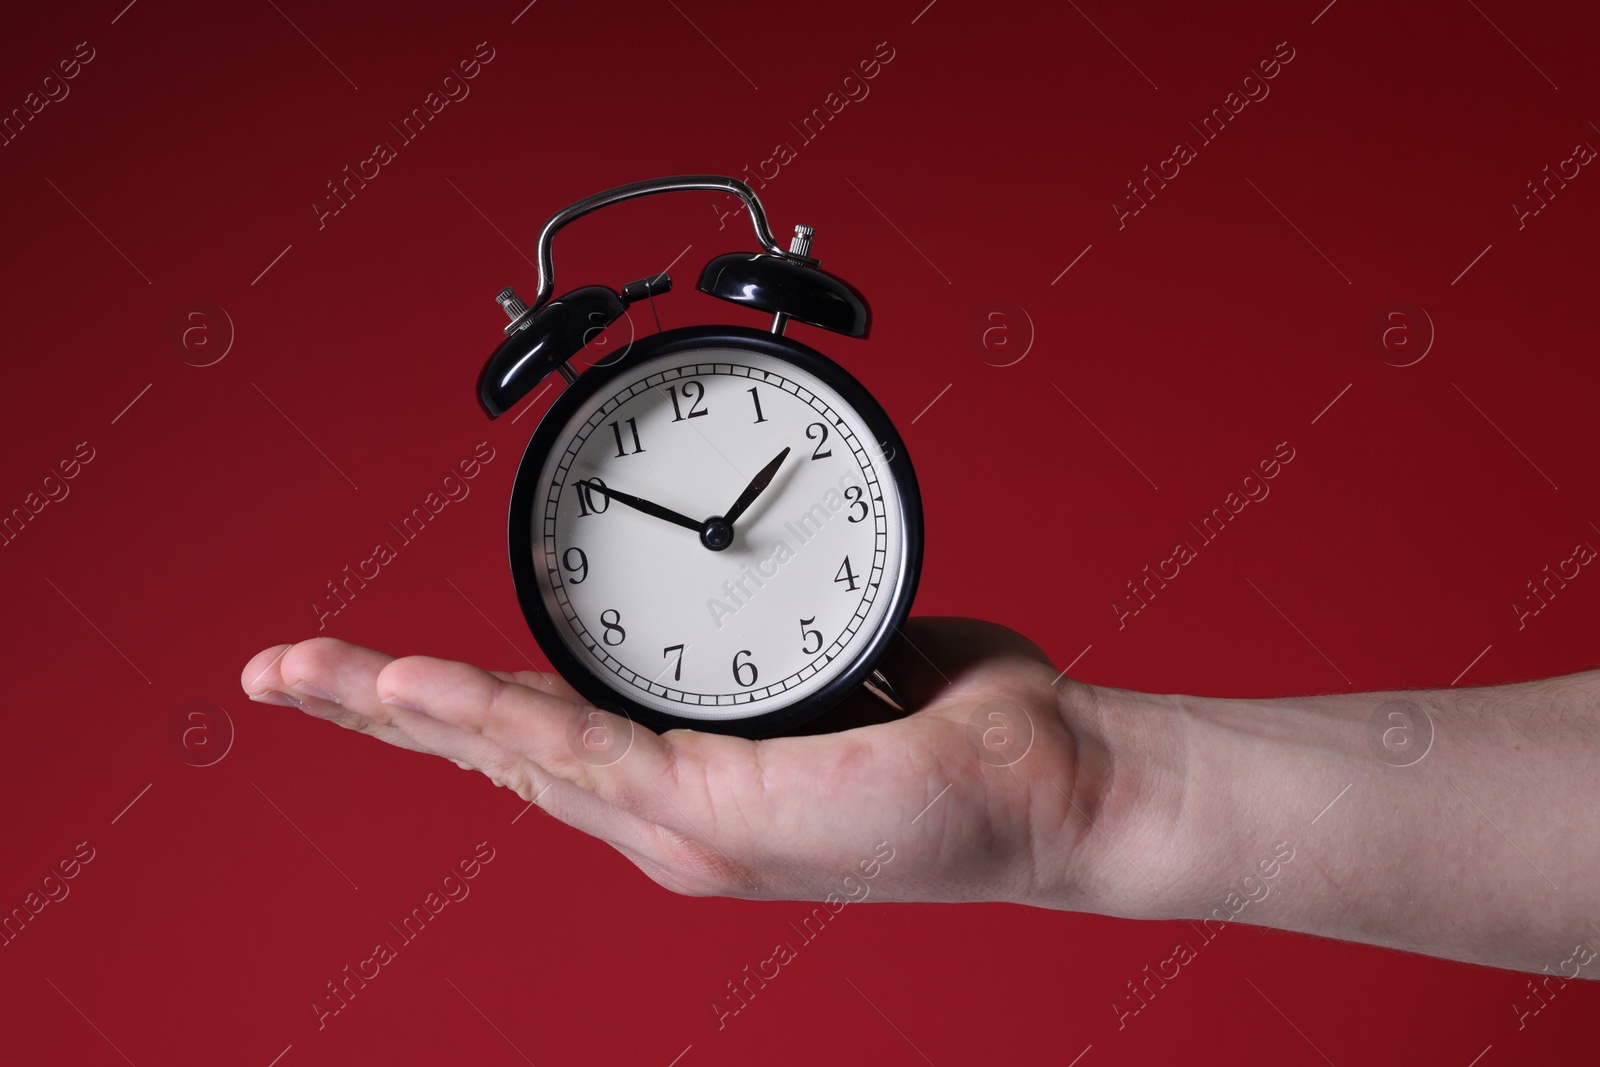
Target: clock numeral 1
[[697, 396], [677, 668], [633, 428], [846, 575], [586, 497], [757, 398], [818, 453], [808, 634], [740, 668], [612, 625], [581, 568]]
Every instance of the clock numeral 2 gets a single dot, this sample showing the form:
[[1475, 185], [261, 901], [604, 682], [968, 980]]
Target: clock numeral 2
[[633, 429], [586, 497], [740, 668], [808, 634], [677, 668], [846, 575], [612, 626], [581, 568], [697, 396], [757, 398], [818, 453]]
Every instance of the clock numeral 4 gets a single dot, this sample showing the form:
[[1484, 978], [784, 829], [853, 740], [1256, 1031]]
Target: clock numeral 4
[[633, 430], [587, 504], [613, 626], [580, 568], [697, 396], [677, 668], [808, 634], [854, 494], [757, 398], [846, 575], [739, 669], [818, 453]]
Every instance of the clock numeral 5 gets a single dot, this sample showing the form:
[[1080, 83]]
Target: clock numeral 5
[[677, 668], [697, 396], [581, 568], [612, 626], [846, 575], [633, 429], [808, 634], [818, 453], [586, 497], [740, 668]]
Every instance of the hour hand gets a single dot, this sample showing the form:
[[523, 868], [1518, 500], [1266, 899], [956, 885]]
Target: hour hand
[[757, 485], [640, 504]]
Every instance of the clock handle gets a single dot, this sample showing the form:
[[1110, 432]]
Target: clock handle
[[682, 183]]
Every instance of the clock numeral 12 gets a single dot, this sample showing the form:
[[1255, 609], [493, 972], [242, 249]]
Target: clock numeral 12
[[846, 575], [697, 396], [633, 428]]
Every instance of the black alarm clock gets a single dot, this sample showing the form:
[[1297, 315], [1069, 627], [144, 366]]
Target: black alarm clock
[[717, 527]]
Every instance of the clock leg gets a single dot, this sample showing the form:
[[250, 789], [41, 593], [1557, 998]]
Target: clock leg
[[878, 685]]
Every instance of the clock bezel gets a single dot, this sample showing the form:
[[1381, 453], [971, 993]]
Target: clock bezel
[[526, 495]]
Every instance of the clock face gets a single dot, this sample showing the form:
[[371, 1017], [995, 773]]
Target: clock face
[[818, 567]]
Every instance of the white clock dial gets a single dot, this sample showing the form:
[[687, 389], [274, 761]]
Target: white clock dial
[[813, 566]]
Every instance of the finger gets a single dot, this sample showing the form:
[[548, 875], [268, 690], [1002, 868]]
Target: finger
[[543, 682]]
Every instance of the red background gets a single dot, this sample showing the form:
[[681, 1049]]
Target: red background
[[1196, 337]]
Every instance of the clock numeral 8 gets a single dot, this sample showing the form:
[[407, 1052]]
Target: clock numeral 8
[[808, 634], [740, 668], [612, 625], [586, 498], [581, 567]]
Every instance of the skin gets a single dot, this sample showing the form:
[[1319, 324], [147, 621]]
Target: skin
[[1010, 782]]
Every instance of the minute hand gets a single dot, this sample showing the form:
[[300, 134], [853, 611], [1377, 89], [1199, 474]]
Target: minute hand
[[757, 484], [646, 506]]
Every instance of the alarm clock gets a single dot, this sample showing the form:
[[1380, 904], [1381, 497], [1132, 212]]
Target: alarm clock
[[716, 527]]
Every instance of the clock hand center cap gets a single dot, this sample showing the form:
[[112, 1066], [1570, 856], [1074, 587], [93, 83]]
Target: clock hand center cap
[[717, 533]]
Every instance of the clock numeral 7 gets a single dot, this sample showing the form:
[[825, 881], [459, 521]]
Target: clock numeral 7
[[586, 497], [846, 575], [740, 668], [808, 634], [677, 668], [697, 396], [633, 428]]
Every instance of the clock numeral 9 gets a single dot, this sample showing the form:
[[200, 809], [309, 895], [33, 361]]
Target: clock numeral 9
[[740, 668], [581, 568], [846, 575], [677, 668], [612, 626], [854, 494], [818, 453], [633, 429], [697, 396], [808, 634], [586, 497]]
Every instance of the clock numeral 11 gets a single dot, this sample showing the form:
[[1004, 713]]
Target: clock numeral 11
[[633, 429]]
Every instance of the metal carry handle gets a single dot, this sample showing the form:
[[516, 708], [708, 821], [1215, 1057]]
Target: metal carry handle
[[683, 183]]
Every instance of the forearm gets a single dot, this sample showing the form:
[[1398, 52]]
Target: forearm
[[1340, 816]]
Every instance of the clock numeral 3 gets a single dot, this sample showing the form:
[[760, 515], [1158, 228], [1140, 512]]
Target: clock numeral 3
[[581, 568], [757, 398], [677, 668], [586, 497], [612, 626], [697, 396], [633, 430], [846, 575], [854, 494], [818, 453], [740, 668], [808, 634]]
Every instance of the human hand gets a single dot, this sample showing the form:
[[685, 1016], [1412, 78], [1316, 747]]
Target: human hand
[[985, 792]]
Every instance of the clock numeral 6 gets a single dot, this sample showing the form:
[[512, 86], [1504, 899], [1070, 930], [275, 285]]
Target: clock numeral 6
[[586, 497], [808, 634], [854, 494], [740, 668], [612, 626], [633, 430], [698, 395], [677, 668], [846, 575], [818, 453], [581, 568]]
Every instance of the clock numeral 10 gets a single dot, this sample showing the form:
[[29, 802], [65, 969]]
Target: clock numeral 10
[[613, 626], [633, 429], [698, 395], [586, 497], [757, 398], [808, 634], [739, 669], [846, 575]]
